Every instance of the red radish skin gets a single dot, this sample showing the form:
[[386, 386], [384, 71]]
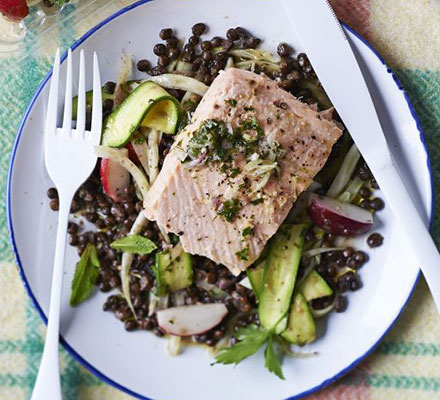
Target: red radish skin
[[337, 217], [114, 178], [191, 320], [14, 10], [132, 153]]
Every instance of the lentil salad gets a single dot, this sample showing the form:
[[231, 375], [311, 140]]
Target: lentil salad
[[213, 283]]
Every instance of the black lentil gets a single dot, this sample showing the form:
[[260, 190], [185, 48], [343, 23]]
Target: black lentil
[[109, 87], [375, 240], [284, 50], [377, 204], [172, 41], [227, 45], [54, 205], [52, 193], [206, 45], [159, 49], [174, 53], [365, 193], [163, 60], [340, 304], [198, 29], [166, 33], [143, 65], [216, 41], [193, 40]]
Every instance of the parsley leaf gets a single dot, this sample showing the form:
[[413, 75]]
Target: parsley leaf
[[232, 102], [229, 209], [251, 339], [84, 278], [273, 358], [135, 244], [234, 172], [257, 201], [249, 230], [243, 254]]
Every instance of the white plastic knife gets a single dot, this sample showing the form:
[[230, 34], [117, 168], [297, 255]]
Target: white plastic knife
[[333, 60]]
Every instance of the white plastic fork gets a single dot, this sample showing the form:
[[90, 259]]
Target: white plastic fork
[[70, 159]]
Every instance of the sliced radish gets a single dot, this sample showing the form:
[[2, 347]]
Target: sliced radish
[[14, 10], [114, 178], [191, 320], [337, 217]]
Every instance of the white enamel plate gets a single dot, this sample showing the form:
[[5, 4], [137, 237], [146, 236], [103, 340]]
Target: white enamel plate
[[138, 362]]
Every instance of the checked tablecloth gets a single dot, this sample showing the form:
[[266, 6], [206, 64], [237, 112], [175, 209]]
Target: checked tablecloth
[[406, 365]]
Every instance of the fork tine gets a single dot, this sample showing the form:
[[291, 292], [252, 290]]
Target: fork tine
[[52, 104], [81, 114], [67, 118], [95, 134]]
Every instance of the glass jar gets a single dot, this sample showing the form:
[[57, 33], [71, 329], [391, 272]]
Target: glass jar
[[26, 16]]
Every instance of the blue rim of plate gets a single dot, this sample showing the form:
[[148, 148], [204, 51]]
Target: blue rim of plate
[[75, 355]]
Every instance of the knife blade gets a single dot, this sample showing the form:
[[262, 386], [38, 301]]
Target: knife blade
[[334, 62]]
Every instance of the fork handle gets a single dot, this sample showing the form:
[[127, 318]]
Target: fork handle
[[47, 385]]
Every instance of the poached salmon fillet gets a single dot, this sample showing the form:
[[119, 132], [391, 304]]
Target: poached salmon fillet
[[235, 171]]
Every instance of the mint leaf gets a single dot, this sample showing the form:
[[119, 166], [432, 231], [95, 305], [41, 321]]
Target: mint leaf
[[251, 339], [84, 278], [135, 244], [273, 358]]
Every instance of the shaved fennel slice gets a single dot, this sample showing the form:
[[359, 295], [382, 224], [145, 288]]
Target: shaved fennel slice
[[183, 66], [157, 303], [256, 55], [174, 345], [125, 71], [154, 138], [180, 82], [127, 259], [141, 150], [319, 250], [321, 313], [121, 156], [344, 174], [351, 190], [230, 63]]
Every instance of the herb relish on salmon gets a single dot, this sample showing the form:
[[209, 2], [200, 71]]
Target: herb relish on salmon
[[225, 196], [239, 164]]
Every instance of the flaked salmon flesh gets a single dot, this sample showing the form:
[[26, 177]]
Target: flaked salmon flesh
[[225, 210]]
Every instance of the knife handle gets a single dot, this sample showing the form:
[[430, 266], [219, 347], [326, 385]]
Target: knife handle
[[413, 226]]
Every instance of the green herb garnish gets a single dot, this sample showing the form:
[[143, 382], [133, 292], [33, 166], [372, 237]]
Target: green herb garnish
[[230, 209], [232, 102], [247, 127], [138, 139], [243, 254], [208, 141], [273, 358], [245, 184], [234, 172], [251, 339], [249, 230], [257, 201], [135, 244], [85, 276]]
